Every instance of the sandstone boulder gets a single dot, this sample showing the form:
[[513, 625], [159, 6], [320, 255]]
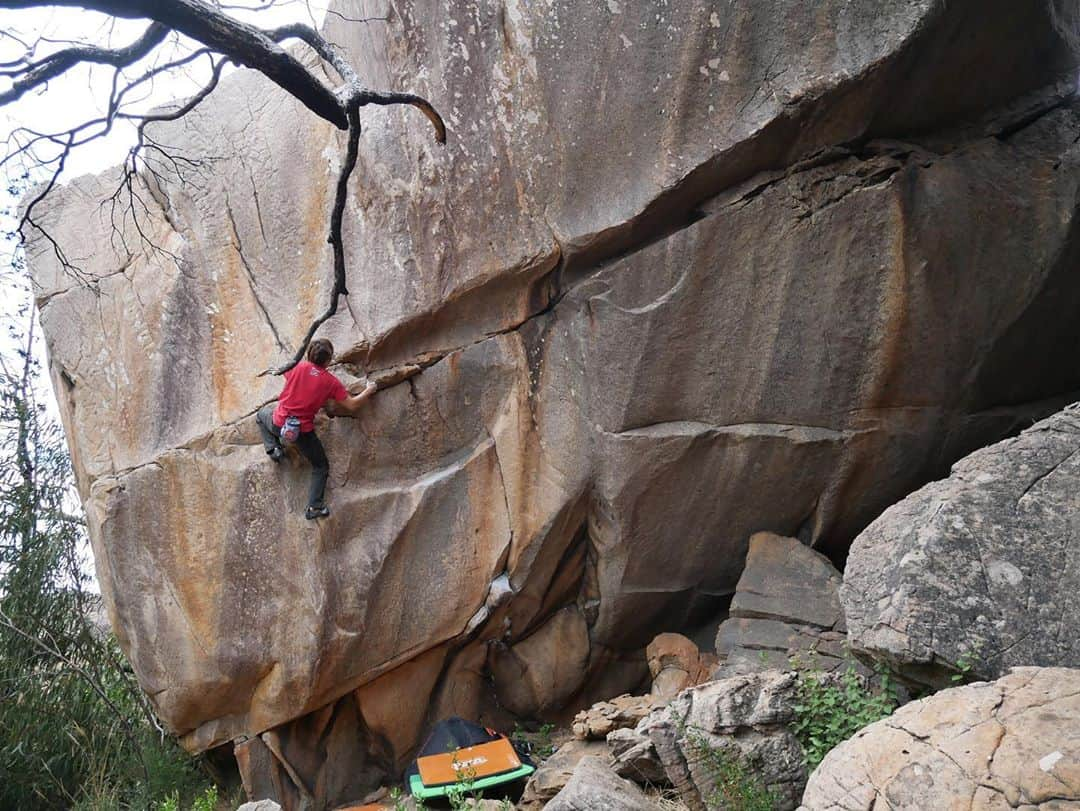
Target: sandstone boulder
[[680, 275], [595, 787], [786, 608], [1012, 743], [542, 671], [978, 571], [553, 774], [675, 663], [742, 720]]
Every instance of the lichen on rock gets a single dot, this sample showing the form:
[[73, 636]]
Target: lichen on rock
[[980, 571], [1012, 743]]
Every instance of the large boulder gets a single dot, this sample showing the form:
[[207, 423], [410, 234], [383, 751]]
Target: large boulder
[[553, 774], [979, 571], [681, 274], [740, 724], [1012, 743], [593, 786]]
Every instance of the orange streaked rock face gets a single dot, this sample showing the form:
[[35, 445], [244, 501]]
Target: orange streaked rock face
[[655, 295]]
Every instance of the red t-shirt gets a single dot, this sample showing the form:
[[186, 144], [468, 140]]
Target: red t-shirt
[[307, 388]]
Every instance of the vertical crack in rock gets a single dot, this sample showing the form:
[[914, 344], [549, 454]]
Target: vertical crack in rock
[[505, 495], [250, 275], [254, 198]]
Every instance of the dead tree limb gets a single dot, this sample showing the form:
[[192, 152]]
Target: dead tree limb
[[243, 43], [38, 73], [337, 216], [234, 41]]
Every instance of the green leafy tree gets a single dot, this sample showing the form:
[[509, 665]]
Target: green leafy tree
[[75, 730]]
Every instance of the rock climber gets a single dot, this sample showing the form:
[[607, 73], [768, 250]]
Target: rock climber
[[309, 387]]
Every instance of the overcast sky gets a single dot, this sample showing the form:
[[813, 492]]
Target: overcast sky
[[82, 94]]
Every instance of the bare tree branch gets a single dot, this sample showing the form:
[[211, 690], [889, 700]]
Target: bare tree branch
[[38, 73], [360, 95], [234, 40], [242, 43], [336, 218], [383, 98], [126, 186]]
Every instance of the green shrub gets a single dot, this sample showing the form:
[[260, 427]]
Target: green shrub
[[207, 801], [545, 747], [398, 798], [459, 796], [830, 710], [539, 741]]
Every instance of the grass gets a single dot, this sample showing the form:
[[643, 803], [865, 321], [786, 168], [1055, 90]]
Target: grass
[[734, 784]]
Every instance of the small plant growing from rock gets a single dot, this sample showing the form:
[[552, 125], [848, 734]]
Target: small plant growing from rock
[[401, 801], [207, 801], [831, 710], [538, 743], [965, 665], [545, 748], [736, 787]]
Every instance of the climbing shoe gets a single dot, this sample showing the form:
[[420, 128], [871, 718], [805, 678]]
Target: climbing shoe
[[321, 511], [276, 454]]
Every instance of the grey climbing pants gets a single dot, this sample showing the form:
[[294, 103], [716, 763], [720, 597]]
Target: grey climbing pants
[[308, 444]]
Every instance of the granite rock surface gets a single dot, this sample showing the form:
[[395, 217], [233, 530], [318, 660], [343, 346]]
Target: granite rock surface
[[980, 571], [683, 272], [1011, 743]]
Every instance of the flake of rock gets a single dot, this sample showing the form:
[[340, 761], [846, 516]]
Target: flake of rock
[[634, 757], [553, 774], [622, 711], [595, 787], [786, 611]]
